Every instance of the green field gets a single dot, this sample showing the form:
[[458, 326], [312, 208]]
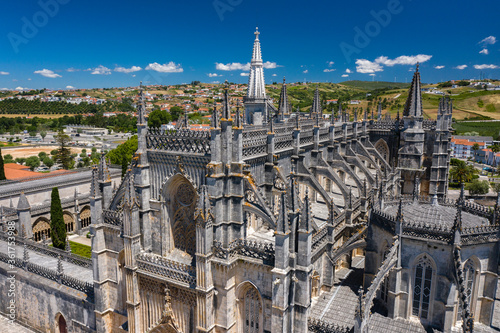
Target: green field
[[483, 128]]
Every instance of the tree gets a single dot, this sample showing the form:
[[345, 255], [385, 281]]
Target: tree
[[478, 187], [42, 155], [176, 112], [20, 160], [8, 159], [48, 161], [495, 148], [57, 225], [158, 117], [462, 172], [496, 187], [2, 170], [475, 148], [33, 162], [64, 153], [43, 134]]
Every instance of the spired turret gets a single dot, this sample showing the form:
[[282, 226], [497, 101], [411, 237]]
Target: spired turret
[[411, 153], [256, 101]]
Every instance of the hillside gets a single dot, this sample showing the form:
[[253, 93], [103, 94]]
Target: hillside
[[374, 85]]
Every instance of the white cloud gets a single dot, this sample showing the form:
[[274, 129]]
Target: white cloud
[[70, 87], [234, 66], [212, 74], [47, 73], [274, 74], [372, 74], [244, 74], [488, 41], [461, 67], [21, 89], [366, 66], [101, 70], [306, 71], [71, 69], [348, 71], [270, 65], [326, 70], [128, 70], [345, 75], [171, 67], [237, 66], [410, 70], [5, 89], [29, 79], [484, 51], [484, 66], [215, 82], [330, 63], [403, 60], [4, 73], [439, 67]]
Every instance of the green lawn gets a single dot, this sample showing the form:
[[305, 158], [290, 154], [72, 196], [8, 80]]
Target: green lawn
[[80, 249], [483, 128]]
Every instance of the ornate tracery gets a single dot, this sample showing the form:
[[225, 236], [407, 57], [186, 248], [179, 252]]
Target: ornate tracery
[[422, 287], [252, 311]]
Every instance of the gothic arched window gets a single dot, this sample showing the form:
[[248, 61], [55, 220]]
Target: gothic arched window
[[252, 311], [422, 287], [383, 149]]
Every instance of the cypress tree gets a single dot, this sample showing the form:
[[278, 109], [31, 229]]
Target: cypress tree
[[2, 170], [57, 225]]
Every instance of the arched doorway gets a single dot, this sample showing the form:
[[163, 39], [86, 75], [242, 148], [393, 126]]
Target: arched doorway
[[61, 326], [250, 309]]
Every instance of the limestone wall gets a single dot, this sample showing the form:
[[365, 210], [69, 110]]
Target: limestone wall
[[38, 301]]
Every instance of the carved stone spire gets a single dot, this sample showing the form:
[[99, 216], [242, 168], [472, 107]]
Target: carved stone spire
[[185, 120], [104, 174], [316, 106], [284, 105], [94, 183], [215, 116], [130, 198], [413, 107], [141, 108], [238, 122], [282, 226], [256, 87], [203, 212], [306, 217], [297, 117], [379, 111], [226, 110]]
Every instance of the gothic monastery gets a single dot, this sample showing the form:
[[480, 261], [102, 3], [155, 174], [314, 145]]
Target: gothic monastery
[[271, 221]]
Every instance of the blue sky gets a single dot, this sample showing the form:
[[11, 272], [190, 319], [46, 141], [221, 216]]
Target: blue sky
[[84, 44]]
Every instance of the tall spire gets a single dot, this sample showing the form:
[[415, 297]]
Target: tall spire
[[226, 110], [256, 87], [284, 106], [379, 110], [413, 107], [141, 109], [316, 106], [215, 116]]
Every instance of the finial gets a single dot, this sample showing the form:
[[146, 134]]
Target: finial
[[418, 65]]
